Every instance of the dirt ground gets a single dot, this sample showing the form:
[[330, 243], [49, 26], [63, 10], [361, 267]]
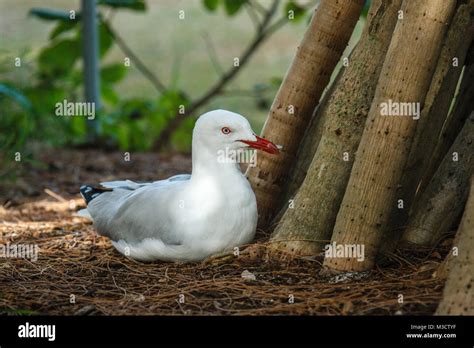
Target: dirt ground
[[80, 273]]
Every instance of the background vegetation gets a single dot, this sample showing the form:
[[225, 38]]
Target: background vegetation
[[185, 56]]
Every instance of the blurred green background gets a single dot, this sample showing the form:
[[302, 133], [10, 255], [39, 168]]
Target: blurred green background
[[182, 53]]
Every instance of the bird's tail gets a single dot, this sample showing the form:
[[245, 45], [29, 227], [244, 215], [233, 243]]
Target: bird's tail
[[89, 192]]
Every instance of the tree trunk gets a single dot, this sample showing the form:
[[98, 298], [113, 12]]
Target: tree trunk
[[308, 146], [441, 204], [405, 77], [308, 225], [458, 294], [463, 106], [321, 48], [445, 267], [434, 114]]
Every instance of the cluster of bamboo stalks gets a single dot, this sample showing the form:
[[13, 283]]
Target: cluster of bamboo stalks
[[350, 174]]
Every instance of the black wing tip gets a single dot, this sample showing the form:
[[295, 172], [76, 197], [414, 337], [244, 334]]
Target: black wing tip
[[89, 192]]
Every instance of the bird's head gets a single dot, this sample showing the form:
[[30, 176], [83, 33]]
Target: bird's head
[[222, 130]]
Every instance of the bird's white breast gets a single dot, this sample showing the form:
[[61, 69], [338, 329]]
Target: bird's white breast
[[207, 216], [214, 216]]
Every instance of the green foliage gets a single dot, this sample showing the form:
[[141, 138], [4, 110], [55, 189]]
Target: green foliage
[[232, 7], [18, 126], [130, 124], [180, 139], [296, 10], [16, 96], [365, 10], [105, 39], [16, 111], [136, 5], [127, 126], [53, 15], [138, 122], [112, 73], [168, 104], [58, 58], [211, 5], [62, 27], [28, 108]]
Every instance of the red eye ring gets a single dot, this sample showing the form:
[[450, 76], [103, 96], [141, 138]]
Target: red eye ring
[[225, 130]]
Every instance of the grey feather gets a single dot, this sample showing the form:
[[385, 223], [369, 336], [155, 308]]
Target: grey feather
[[110, 210]]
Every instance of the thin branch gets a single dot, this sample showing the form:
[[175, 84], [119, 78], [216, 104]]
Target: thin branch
[[253, 16], [161, 88], [276, 25], [212, 54], [239, 93], [283, 20], [175, 69], [261, 34], [258, 7]]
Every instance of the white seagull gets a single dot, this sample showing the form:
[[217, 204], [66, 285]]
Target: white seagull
[[186, 217]]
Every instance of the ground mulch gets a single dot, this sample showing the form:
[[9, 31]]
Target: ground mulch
[[80, 273]]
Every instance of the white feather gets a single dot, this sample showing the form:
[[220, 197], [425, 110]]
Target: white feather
[[83, 213]]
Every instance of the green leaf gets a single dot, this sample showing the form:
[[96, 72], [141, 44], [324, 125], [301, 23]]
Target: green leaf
[[294, 11], [123, 137], [108, 94], [181, 139], [211, 5], [113, 72], [44, 99], [106, 40], [50, 14], [17, 96], [170, 101], [59, 58], [76, 77], [365, 10], [135, 5], [132, 125], [62, 27], [233, 6], [78, 126], [136, 108]]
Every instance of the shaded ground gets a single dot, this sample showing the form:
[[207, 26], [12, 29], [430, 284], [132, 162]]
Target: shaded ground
[[75, 265]]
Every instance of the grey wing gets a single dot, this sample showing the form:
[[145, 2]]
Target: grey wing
[[179, 177], [131, 185], [133, 212]]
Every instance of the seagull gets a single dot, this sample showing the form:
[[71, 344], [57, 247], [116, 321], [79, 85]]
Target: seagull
[[187, 217]]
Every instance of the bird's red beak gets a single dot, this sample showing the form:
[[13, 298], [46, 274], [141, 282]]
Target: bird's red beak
[[262, 144]]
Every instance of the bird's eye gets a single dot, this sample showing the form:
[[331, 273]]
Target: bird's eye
[[225, 130]]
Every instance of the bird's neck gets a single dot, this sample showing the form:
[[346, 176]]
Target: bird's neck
[[208, 163]]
